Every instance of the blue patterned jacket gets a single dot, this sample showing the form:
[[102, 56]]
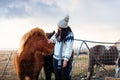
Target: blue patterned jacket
[[67, 47]]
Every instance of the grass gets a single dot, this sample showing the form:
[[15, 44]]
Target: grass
[[80, 68]]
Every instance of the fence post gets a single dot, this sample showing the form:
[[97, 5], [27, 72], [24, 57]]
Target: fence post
[[76, 57], [6, 65]]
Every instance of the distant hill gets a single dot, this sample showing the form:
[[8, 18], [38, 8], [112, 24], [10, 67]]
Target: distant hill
[[7, 51]]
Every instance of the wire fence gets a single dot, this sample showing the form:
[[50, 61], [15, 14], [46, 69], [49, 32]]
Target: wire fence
[[80, 61]]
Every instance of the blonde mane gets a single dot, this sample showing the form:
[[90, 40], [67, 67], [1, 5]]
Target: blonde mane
[[26, 37]]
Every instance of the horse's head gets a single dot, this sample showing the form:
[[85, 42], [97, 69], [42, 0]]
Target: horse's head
[[50, 45], [49, 35], [36, 40]]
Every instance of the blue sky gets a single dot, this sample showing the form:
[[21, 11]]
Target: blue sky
[[96, 20]]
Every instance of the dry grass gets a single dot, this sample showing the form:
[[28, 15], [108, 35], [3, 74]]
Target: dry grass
[[80, 67], [110, 78], [7, 71]]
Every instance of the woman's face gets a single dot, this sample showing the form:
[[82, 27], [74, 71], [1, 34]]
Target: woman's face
[[59, 30]]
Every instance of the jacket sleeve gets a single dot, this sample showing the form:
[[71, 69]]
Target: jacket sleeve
[[53, 38], [69, 47]]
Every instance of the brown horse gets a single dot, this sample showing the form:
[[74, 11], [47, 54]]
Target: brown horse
[[101, 55], [29, 59]]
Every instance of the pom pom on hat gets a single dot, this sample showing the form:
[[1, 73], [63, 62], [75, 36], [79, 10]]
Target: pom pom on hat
[[64, 22]]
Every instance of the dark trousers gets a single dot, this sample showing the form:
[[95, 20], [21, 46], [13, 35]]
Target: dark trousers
[[63, 73]]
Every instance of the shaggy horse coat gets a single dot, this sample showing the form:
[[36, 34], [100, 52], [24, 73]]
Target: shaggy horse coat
[[29, 59], [101, 55]]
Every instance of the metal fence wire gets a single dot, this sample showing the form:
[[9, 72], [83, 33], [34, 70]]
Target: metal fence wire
[[79, 66]]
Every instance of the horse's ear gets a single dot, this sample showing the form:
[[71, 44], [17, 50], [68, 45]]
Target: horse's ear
[[54, 32]]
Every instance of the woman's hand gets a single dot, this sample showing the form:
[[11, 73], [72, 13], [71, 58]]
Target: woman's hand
[[49, 41], [64, 63]]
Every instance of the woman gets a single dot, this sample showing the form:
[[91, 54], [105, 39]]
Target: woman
[[63, 40]]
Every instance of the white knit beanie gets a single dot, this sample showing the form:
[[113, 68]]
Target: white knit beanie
[[64, 22]]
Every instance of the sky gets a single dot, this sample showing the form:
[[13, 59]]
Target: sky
[[94, 20]]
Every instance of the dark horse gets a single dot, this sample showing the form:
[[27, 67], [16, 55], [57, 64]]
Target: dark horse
[[30, 56], [101, 55], [48, 61]]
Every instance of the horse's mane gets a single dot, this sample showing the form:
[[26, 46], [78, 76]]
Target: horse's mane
[[27, 36]]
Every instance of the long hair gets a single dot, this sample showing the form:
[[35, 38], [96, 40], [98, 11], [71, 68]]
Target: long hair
[[64, 32]]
